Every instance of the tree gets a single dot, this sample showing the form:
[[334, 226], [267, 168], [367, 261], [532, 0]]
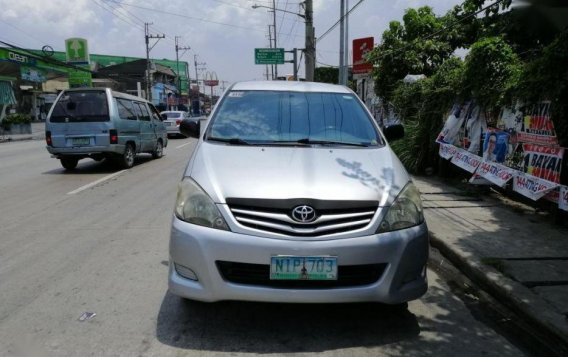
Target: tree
[[409, 48]]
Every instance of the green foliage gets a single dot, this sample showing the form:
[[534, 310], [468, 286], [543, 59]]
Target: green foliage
[[404, 50], [424, 105], [17, 118], [492, 70], [326, 75], [516, 54], [546, 78]]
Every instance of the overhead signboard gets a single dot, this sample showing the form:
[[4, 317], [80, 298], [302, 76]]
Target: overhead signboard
[[361, 47], [269, 56], [78, 78], [77, 51], [211, 82]]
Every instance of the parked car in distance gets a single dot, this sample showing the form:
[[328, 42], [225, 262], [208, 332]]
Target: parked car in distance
[[100, 123], [172, 120], [293, 195]]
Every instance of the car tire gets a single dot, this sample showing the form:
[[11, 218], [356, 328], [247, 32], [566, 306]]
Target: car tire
[[158, 150], [69, 163], [126, 160]]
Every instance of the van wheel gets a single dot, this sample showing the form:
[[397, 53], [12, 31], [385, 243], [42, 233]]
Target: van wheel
[[126, 161], [69, 163], [159, 150]]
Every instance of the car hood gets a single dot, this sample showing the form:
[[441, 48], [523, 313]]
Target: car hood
[[322, 173]]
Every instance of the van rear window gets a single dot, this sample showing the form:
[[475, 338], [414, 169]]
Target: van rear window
[[88, 106]]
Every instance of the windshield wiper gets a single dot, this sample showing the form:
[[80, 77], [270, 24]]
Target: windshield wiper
[[309, 141], [232, 141]]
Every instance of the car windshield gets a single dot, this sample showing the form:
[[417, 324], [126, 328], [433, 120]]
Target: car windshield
[[288, 117], [88, 106], [173, 115]]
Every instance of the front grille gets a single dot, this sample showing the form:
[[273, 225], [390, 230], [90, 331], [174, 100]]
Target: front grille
[[275, 216], [259, 275]]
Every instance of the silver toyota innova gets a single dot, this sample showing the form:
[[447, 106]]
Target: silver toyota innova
[[293, 195], [101, 123]]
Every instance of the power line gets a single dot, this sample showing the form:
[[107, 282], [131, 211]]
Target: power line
[[123, 18], [192, 18], [24, 32], [339, 21]]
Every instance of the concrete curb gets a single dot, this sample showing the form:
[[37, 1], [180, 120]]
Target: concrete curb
[[529, 306]]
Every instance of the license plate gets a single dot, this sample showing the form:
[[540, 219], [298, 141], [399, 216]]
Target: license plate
[[286, 267], [167, 123], [81, 141]]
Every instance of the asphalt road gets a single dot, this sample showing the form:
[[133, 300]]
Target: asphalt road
[[96, 240]]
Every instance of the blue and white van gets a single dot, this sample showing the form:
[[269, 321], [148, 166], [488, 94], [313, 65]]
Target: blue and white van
[[100, 123]]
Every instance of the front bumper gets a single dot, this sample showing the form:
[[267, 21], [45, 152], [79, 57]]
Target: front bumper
[[404, 253]]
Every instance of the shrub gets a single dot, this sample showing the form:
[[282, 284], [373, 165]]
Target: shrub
[[16, 118]]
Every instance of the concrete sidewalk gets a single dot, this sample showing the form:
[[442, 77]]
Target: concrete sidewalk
[[510, 249], [38, 133]]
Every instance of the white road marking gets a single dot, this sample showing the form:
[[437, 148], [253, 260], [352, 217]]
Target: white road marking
[[179, 147], [87, 186]]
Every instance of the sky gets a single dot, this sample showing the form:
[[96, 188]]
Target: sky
[[222, 34]]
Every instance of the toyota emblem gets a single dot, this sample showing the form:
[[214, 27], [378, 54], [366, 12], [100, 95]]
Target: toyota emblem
[[304, 214]]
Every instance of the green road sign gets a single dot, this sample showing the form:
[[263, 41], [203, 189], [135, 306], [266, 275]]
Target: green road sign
[[77, 50], [269, 56], [78, 78]]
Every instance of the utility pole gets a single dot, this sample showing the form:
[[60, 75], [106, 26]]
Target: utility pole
[[275, 35], [310, 49], [344, 42], [346, 45], [148, 49], [270, 45], [185, 48], [341, 40], [197, 79]]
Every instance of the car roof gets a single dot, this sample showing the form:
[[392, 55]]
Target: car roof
[[294, 86], [114, 93]]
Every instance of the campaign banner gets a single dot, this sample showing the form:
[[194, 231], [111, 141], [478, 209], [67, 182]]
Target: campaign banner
[[466, 160], [495, 173], [532, 187], [563, 199], [495, 145], [544, 162], [447, 151], [450, 133], [537, 127], [553, 196]]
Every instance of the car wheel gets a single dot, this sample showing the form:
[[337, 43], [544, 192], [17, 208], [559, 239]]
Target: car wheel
[[69, 163], [126, 161], [159, 150]]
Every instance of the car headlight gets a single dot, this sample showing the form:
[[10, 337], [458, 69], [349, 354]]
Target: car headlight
[[193, 205], [405, 212]]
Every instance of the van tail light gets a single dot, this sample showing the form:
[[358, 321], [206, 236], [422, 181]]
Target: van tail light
[[178, 121], [48, 138], [113, 136]]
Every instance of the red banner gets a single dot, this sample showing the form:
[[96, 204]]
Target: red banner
[[361, 47]]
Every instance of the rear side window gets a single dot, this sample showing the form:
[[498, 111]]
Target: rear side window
[[155, 113], [143, 111], [87, 106], [125, 110]]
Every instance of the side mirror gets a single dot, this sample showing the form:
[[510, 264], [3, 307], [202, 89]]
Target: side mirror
[[190, 128], [394, 132], [163, 117]]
